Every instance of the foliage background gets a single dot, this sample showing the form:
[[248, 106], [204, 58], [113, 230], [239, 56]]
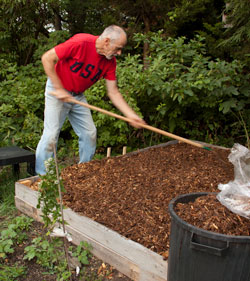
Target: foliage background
[[181, 70]]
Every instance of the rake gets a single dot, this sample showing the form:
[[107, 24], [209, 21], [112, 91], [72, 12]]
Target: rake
[[148, 127]]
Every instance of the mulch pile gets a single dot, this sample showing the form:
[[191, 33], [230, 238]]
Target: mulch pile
[[208, 213], [130, 193]]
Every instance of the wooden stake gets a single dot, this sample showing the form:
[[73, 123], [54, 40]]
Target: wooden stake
[[108, 151], [61, 207], [124, 150]]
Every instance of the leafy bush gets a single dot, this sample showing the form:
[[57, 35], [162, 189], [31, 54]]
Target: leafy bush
[[22, 97], [186, 92], [21, 104], [182, 90], [13, 235]]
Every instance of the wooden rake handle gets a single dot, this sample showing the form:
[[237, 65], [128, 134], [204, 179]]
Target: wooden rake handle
[[153, 129]]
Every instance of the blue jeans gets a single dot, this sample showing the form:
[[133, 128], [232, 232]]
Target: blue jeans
[[55, 114]]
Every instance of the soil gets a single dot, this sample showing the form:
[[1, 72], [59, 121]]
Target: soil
[[130, 193], [208, 213], [96, 270]]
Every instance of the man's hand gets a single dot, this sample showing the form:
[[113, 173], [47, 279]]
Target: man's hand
[[137, 121], [62, 95], [119, 102], [49, 59]]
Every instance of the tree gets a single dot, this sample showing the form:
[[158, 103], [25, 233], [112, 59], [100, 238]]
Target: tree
[[141, 16], [25, 22], [238, 32], [188, 17], [175, 18], [21, 25]]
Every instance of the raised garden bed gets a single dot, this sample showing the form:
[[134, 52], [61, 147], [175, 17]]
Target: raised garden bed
[[120, 204]]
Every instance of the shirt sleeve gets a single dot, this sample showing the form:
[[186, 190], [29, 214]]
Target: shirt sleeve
[[111, 72], [66, 50]]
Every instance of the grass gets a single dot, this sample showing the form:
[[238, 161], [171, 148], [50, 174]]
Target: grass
[[7, 196]]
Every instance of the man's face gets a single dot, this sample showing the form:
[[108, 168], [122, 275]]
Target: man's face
[[114, 48]]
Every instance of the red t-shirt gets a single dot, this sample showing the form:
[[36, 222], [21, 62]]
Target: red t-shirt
[[80, 66]]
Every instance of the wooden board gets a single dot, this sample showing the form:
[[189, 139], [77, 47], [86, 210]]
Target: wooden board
[[127, 256]]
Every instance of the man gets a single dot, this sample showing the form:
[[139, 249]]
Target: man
[[72, 67]]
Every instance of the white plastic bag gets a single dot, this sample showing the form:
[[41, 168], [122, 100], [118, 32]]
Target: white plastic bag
[[235, 195], [58, 232]]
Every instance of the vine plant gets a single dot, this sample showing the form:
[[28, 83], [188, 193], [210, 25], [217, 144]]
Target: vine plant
[[48, 196], [47, 249]]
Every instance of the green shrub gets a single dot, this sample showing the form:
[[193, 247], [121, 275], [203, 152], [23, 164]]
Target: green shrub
[[182, 90], [186, 92]]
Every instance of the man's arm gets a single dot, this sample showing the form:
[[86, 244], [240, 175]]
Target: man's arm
[[119, 102], [49, 59]]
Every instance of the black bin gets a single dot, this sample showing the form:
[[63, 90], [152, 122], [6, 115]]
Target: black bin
[[199, 255]]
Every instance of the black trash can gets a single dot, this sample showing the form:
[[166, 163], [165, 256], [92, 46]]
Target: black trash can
[[199, 255]]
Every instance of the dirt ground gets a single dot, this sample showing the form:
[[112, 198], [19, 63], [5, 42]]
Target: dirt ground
[[130, 193], [97, 270]]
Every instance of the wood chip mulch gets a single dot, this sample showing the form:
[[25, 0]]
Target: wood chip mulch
[[130, 193], [208, 213]]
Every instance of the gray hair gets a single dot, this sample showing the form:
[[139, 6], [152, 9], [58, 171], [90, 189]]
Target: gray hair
[[113, 32]]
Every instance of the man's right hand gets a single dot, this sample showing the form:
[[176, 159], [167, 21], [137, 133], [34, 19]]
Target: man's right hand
[[49, 59], [62, 95]]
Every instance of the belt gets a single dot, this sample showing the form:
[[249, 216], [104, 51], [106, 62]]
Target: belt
[[75, 94]]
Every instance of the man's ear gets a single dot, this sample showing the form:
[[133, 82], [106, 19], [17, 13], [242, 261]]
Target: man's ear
[[106, 41]]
